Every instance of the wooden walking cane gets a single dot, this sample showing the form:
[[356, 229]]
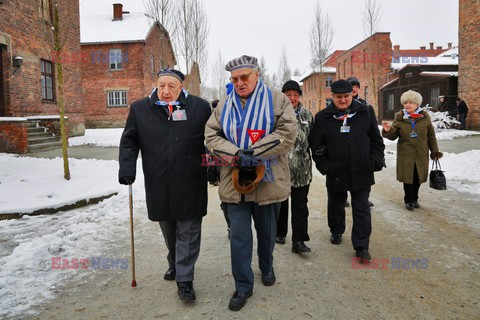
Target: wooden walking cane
[[130, 199]]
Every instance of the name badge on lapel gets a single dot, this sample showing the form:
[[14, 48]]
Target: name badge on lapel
[[345, 129], [179, 115]]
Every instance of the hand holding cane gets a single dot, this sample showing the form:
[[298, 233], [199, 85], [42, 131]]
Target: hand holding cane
[[130, 199]]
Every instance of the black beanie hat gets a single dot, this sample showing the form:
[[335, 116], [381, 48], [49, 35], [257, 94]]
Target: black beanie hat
[[354, 81], [292, 85], [341, 86]]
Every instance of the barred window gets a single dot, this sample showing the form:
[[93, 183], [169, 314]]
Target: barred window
[[46, 71], [117, 98]]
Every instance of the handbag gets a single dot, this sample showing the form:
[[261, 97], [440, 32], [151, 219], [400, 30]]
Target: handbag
[[438, 181]]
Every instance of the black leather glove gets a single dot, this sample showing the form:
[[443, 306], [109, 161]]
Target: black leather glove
[[378, 165], [126, 180], [246, 160]]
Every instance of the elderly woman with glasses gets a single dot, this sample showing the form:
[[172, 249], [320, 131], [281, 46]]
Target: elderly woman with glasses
[[416, 136]]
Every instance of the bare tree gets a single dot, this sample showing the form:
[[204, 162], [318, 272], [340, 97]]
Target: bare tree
[[297, 73], [192, 34], [284, 72], [200, 30], [56, 40], [263, 70], [371, 17], [219, 77], [161, 11], [321, 37]]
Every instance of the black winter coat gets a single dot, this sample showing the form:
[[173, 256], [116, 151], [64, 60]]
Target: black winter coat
[[175, 180], [350, 158]]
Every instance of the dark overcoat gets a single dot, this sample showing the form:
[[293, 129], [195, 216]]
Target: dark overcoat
[[350, 158], [175, 180]]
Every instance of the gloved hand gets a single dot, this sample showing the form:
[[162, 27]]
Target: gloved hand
[[246, 160], [436, 155], [378, 165], [126, 180]]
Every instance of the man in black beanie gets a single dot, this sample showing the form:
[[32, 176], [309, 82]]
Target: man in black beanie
[[347, 148]]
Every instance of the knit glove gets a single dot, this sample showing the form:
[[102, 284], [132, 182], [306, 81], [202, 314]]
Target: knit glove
[[436, 155]]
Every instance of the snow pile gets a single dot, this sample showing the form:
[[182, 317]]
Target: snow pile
[[98, 137]]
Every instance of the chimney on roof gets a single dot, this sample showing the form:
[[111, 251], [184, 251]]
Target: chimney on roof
[[423, 48], [117, 12], [439, 48], [449, 45], [431, 45], [396, 47]]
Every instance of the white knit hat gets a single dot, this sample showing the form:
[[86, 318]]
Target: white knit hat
[[411, 96]]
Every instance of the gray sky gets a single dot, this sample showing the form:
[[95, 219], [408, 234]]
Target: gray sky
[[264, 27]]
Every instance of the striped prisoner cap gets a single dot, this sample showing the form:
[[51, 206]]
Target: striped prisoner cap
[[242, 62]]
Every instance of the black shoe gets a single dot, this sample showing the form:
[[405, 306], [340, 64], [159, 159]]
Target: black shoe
[[300, 247], [364, 255], [280, 239], [238, 300], [416, 205], [170, 274], [336, 239], [410, 206], [268, 279], [347, 204], [370, 204], [185, 291]]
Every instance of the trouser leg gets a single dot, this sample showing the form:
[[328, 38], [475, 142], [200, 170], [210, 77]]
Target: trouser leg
[[187, 248], [282, 223], [411, 189], [300, 213], [241, 244], [362, 222], [265, 218], [336, 211], [169, 229], [223, 206]]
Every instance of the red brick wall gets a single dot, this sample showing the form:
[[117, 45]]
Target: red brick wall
[[138, 76], [312, 86], [23, 29], [469, 57], [371, 70], [13, 136]]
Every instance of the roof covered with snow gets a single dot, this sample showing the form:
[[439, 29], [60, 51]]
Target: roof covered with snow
[[449, 57], [133, 27]]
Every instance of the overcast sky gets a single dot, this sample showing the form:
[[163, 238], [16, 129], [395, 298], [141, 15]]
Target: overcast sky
[[264, 27]]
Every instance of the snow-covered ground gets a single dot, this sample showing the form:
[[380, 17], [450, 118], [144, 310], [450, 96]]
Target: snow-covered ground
[[29, 244]]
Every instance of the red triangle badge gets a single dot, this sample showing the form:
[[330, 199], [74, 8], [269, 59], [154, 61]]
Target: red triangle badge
[[255, 135]]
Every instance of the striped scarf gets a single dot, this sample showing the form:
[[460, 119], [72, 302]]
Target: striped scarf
[[237, 122]]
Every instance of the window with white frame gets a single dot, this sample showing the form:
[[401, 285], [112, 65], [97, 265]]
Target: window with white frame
[[117, 98], [391, 102], [328, 101], [115, 56], [328, 81], [434, 93]]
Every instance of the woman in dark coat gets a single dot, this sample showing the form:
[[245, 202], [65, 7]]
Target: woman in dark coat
[[416, 136]]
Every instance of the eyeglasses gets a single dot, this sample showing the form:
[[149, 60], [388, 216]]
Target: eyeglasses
[[243, 77]]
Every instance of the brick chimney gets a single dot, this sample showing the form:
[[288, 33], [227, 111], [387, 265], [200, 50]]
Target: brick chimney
[[117, 12], [396, 47], [431, 45], [449, 45], [423, 48], [439, 48]]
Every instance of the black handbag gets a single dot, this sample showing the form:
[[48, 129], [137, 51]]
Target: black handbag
[[437, 178]]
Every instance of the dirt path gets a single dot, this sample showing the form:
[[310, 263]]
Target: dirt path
[[320, 285]]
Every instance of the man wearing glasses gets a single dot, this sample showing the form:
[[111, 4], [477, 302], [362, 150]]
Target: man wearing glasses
[[251, 130]]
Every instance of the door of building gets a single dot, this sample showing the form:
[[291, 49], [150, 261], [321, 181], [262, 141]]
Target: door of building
[[2, 89]]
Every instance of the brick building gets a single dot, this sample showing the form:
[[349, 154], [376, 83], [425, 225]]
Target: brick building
[[27, 72], [316, 84], [469, 57], [123, 54]]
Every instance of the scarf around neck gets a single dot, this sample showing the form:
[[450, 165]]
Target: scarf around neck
[[414, 115], [243, 125]]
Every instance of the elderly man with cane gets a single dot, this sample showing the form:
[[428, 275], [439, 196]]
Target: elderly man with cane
[[167, 127], [251, 131]]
